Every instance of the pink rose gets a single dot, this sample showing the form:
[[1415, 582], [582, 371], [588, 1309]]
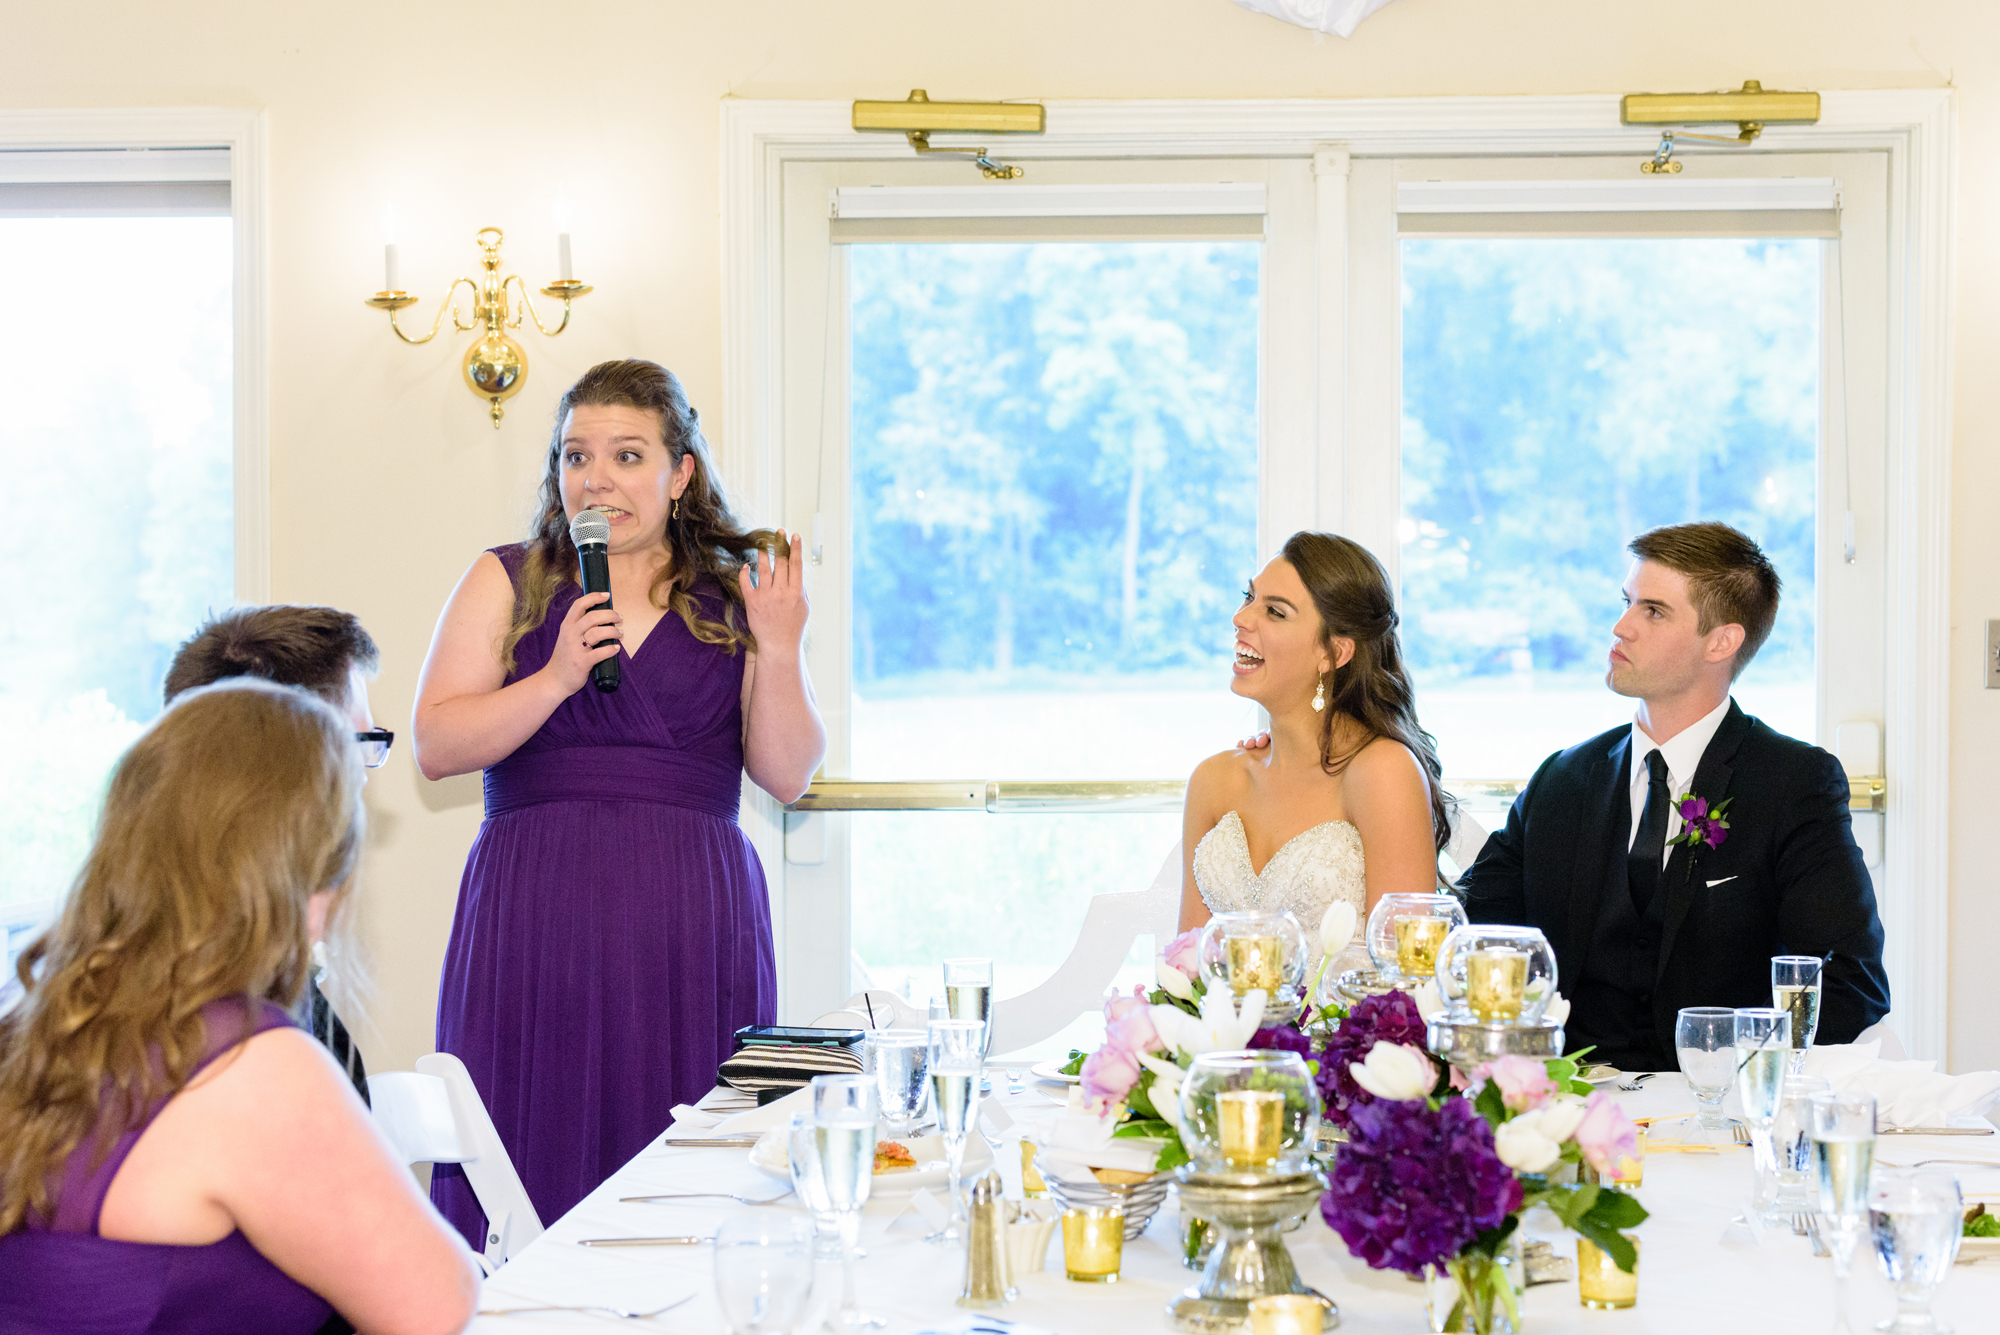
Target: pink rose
[[1108, 1076], [1606, 1135], [1183, 953], [1128, 1023], [1524, 1082]]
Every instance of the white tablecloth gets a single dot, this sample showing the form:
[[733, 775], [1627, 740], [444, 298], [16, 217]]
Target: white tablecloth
[[1699, 1273]]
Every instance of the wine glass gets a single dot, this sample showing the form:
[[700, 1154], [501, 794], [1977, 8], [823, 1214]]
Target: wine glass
[[1763, 1044], [844, 1116], [763, 1271], [1705, 1042], [1795, 983], [968, 994], [1844, 1153], [1791, 1139], [803, 1149], [956, 1050], [899, 1060], [1917, 1218]]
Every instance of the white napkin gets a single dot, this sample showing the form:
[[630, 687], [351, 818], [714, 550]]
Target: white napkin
[[1076, 1143], [1907, 1094], [693, 1123]]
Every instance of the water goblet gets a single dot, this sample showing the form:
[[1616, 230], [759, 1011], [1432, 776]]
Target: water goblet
[[1705, 1042], [844, 1117], [968, 994], [956, 1048], [1917, 1218], [1795, 983], [899, 1060], [802, 1149], [1763, 1043], [1844, 1157], [1791, 1141], [763, 1271]]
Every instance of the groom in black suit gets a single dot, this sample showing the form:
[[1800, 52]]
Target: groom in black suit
[[1645, 914]]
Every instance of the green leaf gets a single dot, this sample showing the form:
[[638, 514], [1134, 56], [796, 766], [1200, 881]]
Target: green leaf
[[1490, 1104], [1140, 1100], [1145, 1128], [1493, 1239], [1983, 1226], [1074, 1066], [1613, 1243], [1574, 1200], [1615, 1209], [1172, 1155], [1561, 1069]]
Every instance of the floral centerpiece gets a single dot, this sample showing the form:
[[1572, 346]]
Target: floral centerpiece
[[1435, 1180]]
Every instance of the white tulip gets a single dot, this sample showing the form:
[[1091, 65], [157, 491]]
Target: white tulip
[[1395, 1071], [1557, 1009], [1220, 1027], [1336, 927], [1429, 1000], [1524, 1146], [1560, 1116], [1172, 980], [1166, 1090]]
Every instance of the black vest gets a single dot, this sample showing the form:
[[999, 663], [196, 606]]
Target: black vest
[[1612, 1004]]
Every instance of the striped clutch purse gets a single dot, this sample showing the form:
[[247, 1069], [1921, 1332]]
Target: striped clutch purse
[[757, 1067]]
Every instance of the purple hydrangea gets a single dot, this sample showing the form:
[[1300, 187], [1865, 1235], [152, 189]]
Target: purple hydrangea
[[1413, 1186], [1390, 1018], [1285, 1038]]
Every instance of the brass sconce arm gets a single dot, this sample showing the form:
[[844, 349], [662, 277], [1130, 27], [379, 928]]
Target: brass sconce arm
[[393, 302], [566, 291]]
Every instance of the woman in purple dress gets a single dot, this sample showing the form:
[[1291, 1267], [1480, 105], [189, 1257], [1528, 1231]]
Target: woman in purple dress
[[613, 929], [176, 1157]]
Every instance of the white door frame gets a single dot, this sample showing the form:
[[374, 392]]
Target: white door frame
[[1915, 127]]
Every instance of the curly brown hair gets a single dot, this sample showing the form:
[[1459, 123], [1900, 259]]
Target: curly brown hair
[[704, 538], [220, 824]]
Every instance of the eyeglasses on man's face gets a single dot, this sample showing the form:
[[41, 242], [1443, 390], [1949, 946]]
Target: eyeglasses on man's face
[[375, 745]]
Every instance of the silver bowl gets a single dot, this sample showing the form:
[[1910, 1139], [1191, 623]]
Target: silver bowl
[[1139, 1200]]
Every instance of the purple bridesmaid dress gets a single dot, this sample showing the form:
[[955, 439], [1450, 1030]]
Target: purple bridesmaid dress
[[613, 930]]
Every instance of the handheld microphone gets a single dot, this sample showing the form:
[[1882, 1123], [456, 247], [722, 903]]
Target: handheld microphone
[[591, 532]]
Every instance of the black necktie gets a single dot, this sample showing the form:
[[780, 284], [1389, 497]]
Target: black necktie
[[1642, 864]]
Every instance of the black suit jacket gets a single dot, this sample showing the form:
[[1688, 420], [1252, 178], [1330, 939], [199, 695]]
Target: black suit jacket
[[1788, 879]]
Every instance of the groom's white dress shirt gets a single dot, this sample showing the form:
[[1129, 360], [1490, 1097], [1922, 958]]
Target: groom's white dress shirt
[[1683, 752]]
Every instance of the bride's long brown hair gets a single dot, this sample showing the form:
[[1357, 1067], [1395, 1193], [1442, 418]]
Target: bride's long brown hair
[[1350, 589], [221, 822], [703, 538]]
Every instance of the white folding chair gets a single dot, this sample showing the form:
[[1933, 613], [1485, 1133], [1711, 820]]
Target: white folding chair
[[1892, 1046], [1110, 925], [434, 1115], [1468, 836]]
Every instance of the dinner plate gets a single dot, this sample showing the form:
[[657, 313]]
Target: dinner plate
[[1052, 1071], [1599, 1075], [1977, 1249], [769, 1158]]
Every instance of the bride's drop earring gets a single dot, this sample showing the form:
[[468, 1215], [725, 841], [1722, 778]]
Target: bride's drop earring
[[1319, 696], [677, 508]]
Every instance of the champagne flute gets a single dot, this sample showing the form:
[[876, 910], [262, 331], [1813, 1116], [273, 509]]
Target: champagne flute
[[1844, 1153], [968, 993], [1917, 1218], [1763, 1043], [802, 1148], [1705, 1042], [1795, 989], [955, 1055], [899, 1060], [844, 1116]]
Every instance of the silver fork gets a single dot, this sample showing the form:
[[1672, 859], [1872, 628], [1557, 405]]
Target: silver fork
[[591, 1307], [710, 1196], [1014, 1085], [1630, 1083], [1819, 1246], [1739, 1133]]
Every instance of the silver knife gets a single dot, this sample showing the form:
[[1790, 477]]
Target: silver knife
[[714, 1142], [645, 1242], [1936, 1131]]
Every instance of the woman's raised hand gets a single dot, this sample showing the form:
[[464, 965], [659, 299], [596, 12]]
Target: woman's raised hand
[[776, 604], [590, 634]]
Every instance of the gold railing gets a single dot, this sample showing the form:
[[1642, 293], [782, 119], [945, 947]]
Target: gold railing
[[1866, 793]]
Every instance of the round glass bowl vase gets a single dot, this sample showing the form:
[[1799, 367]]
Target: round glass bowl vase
[[1251, 951], [1249, 1112], [1496, 975], [1406, 933]]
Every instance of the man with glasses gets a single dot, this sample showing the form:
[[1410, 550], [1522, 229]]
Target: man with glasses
[[318, 649]]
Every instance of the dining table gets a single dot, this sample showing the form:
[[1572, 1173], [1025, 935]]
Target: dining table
[[1703, 1267]]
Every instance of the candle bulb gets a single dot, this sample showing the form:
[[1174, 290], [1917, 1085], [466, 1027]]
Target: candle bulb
[[562, 257], [392, 271], [1251, 1126], [1496, 983], [1600, 1284], [1255, 962]]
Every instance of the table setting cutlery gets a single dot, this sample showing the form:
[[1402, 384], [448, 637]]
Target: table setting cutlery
[[593, 1307], [709, 1143], [1935, 1131], [706, 1195], [685, 1240]]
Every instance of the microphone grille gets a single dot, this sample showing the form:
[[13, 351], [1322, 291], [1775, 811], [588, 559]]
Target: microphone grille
[[589, 526]]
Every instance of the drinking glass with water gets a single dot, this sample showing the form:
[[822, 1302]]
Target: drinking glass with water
[[1795, 990], [1844, 1155], [1705, 1042], [1916, 1216], [956, 1052], [1763, 1045], [899, 1061], [1791, 1138], [844, 1118], [763, 1272]]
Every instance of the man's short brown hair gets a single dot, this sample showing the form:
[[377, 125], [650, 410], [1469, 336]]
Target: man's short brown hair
[[308, 647], [1730, 580]]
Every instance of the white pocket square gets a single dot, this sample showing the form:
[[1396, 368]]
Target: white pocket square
[[1724, 881]]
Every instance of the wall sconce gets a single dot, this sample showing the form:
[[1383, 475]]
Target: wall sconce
[[495, 365]]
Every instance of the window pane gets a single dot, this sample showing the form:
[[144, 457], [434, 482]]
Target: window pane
[[123, 444], [1560, 397], [1054, 504]]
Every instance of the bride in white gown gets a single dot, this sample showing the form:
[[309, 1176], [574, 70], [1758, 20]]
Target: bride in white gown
[[1344, 801]]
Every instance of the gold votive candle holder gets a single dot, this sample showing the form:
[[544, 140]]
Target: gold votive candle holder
[[1496, 983], [1093, 1243], [1600, 1284], [1032, 1185], [1254, 962], [1250, 1123], [1418, 936], [1286, 1314]]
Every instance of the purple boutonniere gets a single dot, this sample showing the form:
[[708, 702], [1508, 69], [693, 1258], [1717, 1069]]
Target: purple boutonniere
[[1701, 824]]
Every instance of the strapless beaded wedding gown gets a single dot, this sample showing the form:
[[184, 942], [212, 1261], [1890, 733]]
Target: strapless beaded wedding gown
[[1307, 875]]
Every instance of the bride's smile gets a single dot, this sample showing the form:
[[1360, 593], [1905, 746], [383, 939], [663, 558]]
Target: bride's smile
[[1281, 653]]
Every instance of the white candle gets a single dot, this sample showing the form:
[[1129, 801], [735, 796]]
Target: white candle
[[562, 257], [391, 270]]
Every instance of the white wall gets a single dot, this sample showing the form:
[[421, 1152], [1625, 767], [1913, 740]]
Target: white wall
[[386, 478]]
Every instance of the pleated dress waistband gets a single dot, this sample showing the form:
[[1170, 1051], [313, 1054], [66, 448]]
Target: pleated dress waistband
[[706, 784]]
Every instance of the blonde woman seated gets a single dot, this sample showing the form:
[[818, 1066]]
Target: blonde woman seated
[[175, 1155], [1342, 802]]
